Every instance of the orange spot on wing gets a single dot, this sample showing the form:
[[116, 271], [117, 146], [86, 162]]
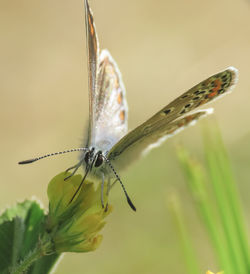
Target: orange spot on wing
[[91, 26], [211, 95], [119, 98], [217, 83], [122, 115]]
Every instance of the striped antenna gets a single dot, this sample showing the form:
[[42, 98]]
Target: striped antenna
[[51, 154], [122, 185]]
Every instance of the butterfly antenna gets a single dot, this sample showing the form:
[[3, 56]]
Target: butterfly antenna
[[51, 154], [122, 185]]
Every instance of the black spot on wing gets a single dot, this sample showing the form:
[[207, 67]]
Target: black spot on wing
[[198, 92], [167, 111]]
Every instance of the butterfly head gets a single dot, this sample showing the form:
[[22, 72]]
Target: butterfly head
[[93, 159]]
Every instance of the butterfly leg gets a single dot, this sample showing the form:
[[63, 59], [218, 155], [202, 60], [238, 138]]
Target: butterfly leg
[[110, 186], [68, 169], [102, 190], [75, 167]]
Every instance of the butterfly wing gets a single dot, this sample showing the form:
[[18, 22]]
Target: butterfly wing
[[126, 152], [107, 102], [171, 118], [92, 55], [110, 107]]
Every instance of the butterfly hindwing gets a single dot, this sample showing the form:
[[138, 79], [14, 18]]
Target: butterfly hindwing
[[127, 151], [110, 106], [107, 102], [161, 125]]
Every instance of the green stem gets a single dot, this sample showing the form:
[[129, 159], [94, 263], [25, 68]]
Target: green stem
[[184, 235], [28, 260], [197, 185]]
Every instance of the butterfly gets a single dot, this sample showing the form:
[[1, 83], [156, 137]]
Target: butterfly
[[109, 147]]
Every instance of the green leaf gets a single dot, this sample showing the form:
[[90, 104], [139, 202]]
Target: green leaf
[[20, 228], [20, 209], [7, 239]]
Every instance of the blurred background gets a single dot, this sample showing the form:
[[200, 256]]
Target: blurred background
[[162, 48]]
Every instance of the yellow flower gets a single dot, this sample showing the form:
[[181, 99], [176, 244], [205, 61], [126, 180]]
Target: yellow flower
[[74, 226]]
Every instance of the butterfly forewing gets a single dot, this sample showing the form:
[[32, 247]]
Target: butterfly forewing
[[169, 120], [92, 54], [203, 93], [110, 105]]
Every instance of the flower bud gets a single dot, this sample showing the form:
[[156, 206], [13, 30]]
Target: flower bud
[[74, 225]]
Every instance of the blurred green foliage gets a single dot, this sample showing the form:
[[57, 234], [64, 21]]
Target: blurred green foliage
[[217, 201]]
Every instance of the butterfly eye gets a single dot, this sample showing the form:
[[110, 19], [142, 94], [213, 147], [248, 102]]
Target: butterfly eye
[[87, 156], [99, 160]]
